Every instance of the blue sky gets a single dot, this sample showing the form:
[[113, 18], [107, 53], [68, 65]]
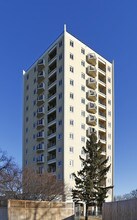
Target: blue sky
[[109, 27]]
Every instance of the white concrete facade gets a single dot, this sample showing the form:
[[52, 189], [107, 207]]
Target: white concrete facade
[[68, 93]]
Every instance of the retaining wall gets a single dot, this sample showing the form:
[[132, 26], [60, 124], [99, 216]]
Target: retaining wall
[[30, 210]]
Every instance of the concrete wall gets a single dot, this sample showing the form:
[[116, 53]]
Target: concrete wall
[[121, 210], [32, 210], [3, 213]]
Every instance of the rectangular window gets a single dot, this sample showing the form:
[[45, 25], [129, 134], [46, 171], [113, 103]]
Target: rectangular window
[[83, 75], [71, 43], [71, 82], [60, 122], [83, 139], [60, 69], [109, 79], [60, 95], [71, 95], [60, 136], [60, 163], [59, 149], [109, 68], [71, 56], [109, 136], [82, 100], [60, 56], [34, 81], [83, 113], [82, 51], [71, 149], [71, 109], [109, 102], [109, 113], [71, 122], [60, 43], [109, 124], [71, 69], [60, 109], [71, 163], [83, 126], [109, 147], [60, 82], [71, 136], [82, 63], [83, 88], [109, 91]]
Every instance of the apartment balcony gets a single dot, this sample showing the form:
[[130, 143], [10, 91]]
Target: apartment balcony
[[41, 64], [102, 140], [102, 128], [40, 135], [40, 100], [52, 55], [91, 120], [52, 168], [91, 71], [40, 159], [40, 147], [91, 59], [40, 88], [51, 146], [91, 131], [102, 104], [102, 115], [100, 82], [40, 123], [91, 83], [52, 67], [52, 131], [40, 112], [102, 92], [91, 95], [102, 66], [52, 83], [91, 107], [41, 76], [51, 158], [103, 153]]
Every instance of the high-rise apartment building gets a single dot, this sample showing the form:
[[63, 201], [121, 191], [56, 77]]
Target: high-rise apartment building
[[68, 94]]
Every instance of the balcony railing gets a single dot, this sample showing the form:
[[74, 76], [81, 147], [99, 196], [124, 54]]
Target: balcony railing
[[40, 135], [102, 128], [50, 95], [91, 131], [91, 120], [91, 71], [91, 83], [40, 87], [40, 99], [91, 95], [91, 59], [51, 144], [40, 123], [102, 104], [51, 157], [40, 160], [41, 64], [51, 132], [40, 147], [40, 111], [91, 107]]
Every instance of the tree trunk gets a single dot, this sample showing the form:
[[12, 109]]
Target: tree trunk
[[86, 213]]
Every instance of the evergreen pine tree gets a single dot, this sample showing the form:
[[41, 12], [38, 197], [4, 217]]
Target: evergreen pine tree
[[90, 186]]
